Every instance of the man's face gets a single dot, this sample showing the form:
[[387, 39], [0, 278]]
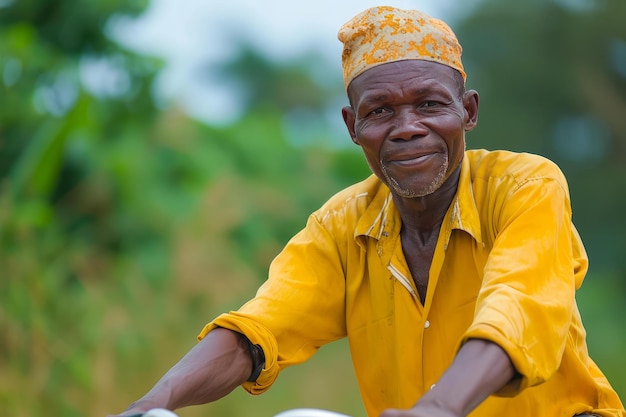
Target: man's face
[[410, 118]]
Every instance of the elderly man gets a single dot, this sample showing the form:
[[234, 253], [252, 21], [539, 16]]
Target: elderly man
[[451, 272]]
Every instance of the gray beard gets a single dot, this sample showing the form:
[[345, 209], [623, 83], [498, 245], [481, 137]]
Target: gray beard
[[428, 189]]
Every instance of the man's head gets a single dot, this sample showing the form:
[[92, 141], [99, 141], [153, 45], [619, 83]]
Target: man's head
[[409, 110]]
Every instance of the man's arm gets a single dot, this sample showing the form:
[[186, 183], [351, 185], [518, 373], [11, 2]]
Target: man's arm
[[480, 369], [210, 370]]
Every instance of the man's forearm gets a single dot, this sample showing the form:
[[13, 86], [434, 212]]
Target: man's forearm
[[480, 369], [210, 370]]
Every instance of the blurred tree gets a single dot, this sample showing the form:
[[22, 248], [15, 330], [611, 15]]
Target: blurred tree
[[552, 79], [73, 103], [72, 99], [282, 85]]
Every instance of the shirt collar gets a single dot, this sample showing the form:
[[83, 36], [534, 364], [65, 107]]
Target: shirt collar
[[382, 219], [380, 214], [463, 214]]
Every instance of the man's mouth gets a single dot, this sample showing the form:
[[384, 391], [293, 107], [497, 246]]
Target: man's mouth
[[410, 160]]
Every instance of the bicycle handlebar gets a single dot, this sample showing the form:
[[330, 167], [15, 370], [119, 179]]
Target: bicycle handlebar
[[296, 412], [309, 412], [156, 412]]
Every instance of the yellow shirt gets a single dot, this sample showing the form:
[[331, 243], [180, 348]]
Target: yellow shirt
[[506, 267]]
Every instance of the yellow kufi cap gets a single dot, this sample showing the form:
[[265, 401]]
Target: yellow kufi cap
[[385, 34]]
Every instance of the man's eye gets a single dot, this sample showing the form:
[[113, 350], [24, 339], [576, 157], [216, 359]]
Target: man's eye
[[379, 110], [430, 104]]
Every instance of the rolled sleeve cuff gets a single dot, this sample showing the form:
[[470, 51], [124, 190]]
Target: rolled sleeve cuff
[[258, 335]]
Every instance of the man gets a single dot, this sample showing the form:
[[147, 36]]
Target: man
[[452, 272]]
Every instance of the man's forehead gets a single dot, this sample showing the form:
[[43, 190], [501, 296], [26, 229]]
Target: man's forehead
[[415, 73]]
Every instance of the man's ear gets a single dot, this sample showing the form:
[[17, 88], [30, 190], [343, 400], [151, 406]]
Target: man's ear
[[470, 104], [349, 118]]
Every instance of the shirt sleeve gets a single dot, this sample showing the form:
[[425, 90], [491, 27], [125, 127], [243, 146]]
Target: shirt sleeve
[[527, 299], [298, 309]]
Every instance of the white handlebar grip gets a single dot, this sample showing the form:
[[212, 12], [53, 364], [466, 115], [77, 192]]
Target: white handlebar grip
[[159, 412], [309, 412]]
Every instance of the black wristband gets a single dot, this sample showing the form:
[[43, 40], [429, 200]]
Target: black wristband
[[258, 360]]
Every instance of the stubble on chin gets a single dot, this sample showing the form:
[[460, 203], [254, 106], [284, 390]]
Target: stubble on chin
[[437, 181]]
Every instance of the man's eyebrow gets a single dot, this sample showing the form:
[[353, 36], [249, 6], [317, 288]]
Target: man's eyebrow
[[375, 98], [433, 88], [375, 95]]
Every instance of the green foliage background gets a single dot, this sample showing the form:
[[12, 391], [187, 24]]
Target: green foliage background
[[124, 226]]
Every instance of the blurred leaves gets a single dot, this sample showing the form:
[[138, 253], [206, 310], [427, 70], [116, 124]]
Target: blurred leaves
[[74, 27]]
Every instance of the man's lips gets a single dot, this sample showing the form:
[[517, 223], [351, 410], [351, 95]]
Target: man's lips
[[412, 159]]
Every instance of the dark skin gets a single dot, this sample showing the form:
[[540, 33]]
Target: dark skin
[[410, 119]]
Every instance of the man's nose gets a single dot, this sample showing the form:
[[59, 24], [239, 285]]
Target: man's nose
[[408, 125]]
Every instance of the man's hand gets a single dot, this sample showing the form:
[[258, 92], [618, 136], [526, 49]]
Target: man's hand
[[418, 412], [153, 412], [136, 408]]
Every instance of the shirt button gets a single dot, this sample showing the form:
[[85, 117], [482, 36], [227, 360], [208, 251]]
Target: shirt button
[[433, 386], [427, 324]]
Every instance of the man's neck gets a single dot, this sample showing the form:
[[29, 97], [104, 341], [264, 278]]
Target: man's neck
[[423, 214]]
